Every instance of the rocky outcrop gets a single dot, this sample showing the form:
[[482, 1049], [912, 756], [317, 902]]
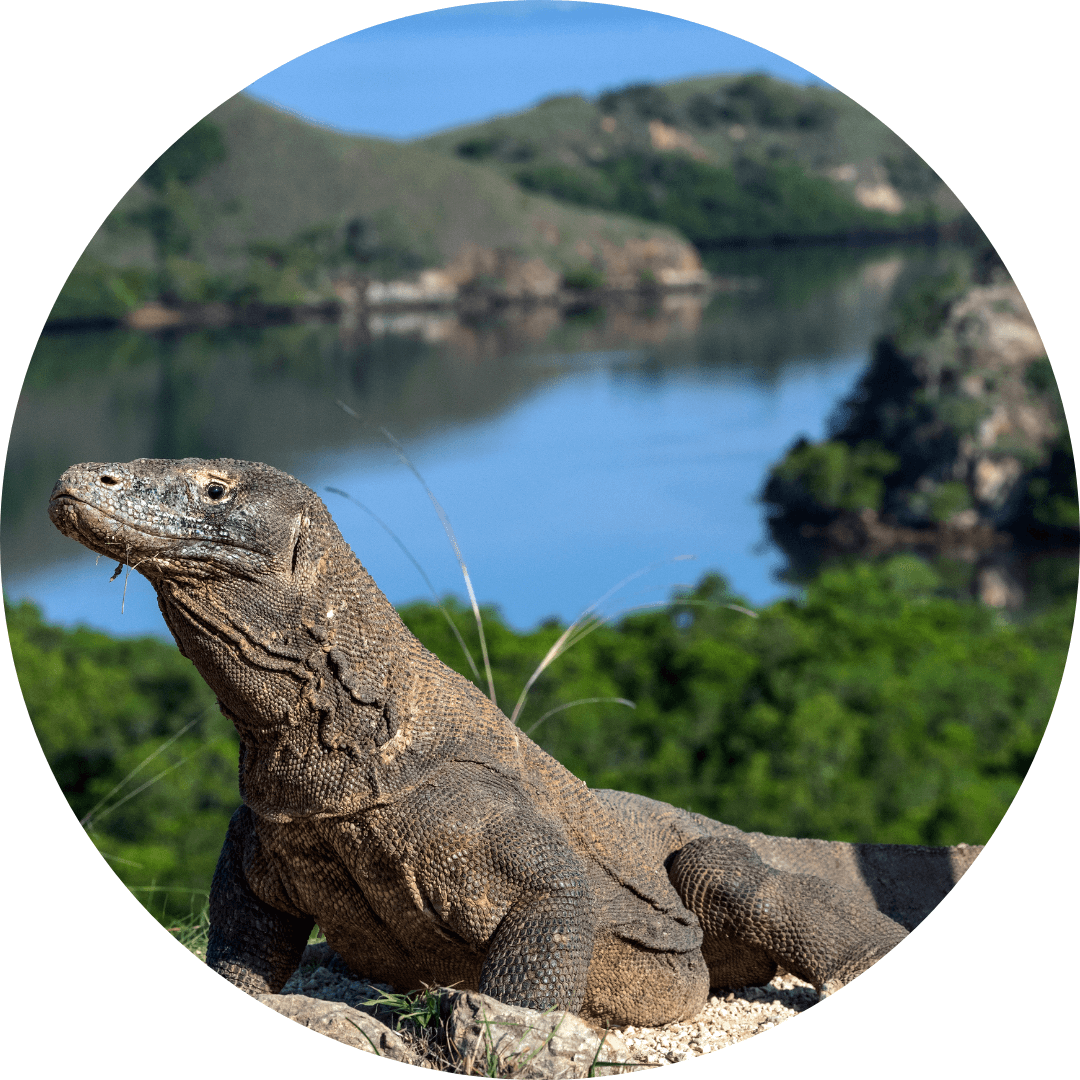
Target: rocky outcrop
[[455, 1031], [485, 1037], [954, 443], [343, 1023], [506, 276]]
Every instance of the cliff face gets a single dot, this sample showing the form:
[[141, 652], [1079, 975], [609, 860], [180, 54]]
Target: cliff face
[[953, 444]]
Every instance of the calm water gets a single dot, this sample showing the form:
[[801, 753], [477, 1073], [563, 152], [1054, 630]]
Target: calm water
[[568, 453]]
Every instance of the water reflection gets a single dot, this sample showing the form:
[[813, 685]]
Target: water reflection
[[616, 431]]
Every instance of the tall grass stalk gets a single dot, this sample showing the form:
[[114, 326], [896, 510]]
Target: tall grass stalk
[[567, 638], [141, 788], [581, 701], [400, 451], [457, 551], [89, 815], [427, 581]]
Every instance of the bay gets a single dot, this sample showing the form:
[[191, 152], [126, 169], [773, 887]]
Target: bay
[[569, 451]]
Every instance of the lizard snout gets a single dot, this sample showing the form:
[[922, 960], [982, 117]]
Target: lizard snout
[[84, 488]]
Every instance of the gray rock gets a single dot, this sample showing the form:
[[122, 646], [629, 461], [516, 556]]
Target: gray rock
[[523, 1044], [344, 1023]]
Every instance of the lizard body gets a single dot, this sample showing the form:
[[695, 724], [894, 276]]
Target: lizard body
[[388, 800]]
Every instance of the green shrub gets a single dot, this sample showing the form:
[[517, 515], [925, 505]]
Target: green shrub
[[580, 186], [710, 205], [583, 277], [642, 99], [193, 155], [1039, 375], [948, 499], [96, 292], [142, 754], [759, 99], [837, 476]]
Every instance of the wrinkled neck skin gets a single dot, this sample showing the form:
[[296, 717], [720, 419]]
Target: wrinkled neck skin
[[313, 669], [338, 707], [306, 656]]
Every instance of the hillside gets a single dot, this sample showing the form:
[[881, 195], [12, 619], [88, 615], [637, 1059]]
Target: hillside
[[725, 159], [953, 445], [256, 205]]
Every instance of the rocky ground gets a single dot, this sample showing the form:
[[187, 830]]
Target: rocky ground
[[323, 978], [725, 1020]]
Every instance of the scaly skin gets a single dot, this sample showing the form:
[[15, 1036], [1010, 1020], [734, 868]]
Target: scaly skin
[[388, 800]]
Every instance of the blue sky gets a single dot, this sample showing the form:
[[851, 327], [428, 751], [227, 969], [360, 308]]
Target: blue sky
[[415, 76]]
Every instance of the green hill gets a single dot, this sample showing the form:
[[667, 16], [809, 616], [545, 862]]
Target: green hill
[[256, 208], [253, 204], [724, 159]]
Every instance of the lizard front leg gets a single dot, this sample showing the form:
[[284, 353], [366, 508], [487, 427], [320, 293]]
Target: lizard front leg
[[472, 855], [539, 955], [755, 918], [252, 944]]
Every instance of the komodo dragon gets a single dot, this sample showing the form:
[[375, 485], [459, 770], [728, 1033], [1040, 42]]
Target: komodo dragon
[[388, 800]]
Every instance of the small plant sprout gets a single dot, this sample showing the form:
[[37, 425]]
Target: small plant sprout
[[421, 1007]]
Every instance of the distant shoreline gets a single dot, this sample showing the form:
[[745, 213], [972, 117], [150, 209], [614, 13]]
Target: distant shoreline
[[155, 317], [364, 297]]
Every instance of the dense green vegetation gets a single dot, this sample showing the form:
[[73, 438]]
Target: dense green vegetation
[[874, 708], [138, 747], [837, 476], [736, 160], [759, 99], [909, 441], [712, 205]]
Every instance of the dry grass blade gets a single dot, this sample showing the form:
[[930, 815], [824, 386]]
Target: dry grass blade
[[733, 607], [581, 701], [588, 627], [427, 581], [116, 858], [127, 577], [457, 551], [142, 764], [142, 787], [567, 638]]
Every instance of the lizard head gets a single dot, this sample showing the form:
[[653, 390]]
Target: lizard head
[[191, 517]]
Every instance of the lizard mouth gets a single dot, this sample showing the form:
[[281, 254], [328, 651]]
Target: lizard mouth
[[116, 537], [82, 520]]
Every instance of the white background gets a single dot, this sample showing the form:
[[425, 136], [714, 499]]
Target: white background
[[94, 92]]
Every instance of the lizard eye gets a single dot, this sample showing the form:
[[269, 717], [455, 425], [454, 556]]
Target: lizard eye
[[215, 491]]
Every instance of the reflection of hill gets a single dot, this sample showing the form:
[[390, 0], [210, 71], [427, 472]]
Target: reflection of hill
[[268, 394]]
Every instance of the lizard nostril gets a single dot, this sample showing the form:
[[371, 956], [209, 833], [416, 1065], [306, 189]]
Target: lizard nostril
[[109, 481]]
